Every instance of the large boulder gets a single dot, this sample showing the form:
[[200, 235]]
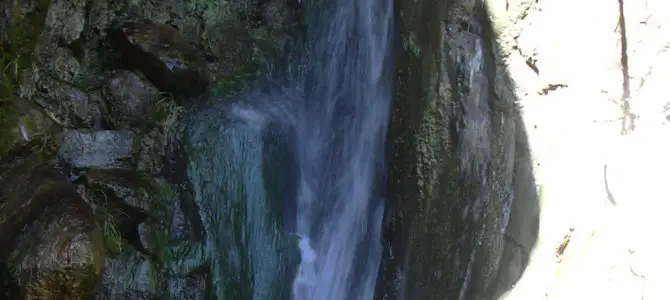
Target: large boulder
[[164, 55], [462, 214], [130, 98], [51, 245], [89, 148]]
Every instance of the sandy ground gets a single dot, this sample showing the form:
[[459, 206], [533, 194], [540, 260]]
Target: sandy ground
[[604, 196]]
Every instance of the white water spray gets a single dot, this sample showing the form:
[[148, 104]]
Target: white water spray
[[340, 134]]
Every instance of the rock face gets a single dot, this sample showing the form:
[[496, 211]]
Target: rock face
[[67, 104], [583, 77], [462, 214]]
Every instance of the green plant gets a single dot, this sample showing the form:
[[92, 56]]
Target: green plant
[[114, 242], [166, 108], [107, 219]]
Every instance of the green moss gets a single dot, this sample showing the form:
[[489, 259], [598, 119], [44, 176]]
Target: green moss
[[410, 44], [244, 50], [162, 195]]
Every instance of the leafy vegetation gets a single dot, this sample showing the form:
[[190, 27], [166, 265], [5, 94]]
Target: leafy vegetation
[[166, 109]]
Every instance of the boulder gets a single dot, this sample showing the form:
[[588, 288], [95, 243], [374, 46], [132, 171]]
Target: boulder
[[88, 148], [66, 104], [163, 55], [52, 247], [130, 99], [462, 214]]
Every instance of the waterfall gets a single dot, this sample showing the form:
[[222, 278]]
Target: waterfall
[[340, 138], [326, 115]]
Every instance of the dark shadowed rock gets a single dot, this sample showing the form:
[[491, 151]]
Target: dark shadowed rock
[[22, 174], [186, 222], [61, 64], [12, 12], [51, 246], [189, 287], [129, 98], [151, 146], [66, 104], [127, 185], [162, 54], [282, 19]]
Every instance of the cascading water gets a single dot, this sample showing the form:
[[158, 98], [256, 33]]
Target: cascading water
[[340, 138], [315, 143]]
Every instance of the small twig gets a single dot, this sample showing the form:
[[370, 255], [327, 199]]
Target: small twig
[[50, 115], [628, 123], [610, 197]]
